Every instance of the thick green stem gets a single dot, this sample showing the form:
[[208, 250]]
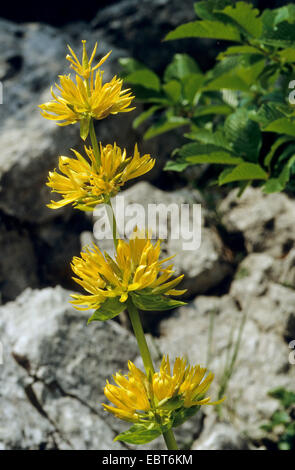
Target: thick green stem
[[113, 223], [139, 334], [147, 361], [170, 440], [94, 141]]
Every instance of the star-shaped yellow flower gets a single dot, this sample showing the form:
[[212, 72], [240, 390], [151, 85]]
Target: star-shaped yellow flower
[[85, 183], [161, 397]]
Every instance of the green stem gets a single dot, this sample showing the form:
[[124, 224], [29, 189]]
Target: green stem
[[139, 334], [94, 141], [113, 223], [170, 440], [147, 361]]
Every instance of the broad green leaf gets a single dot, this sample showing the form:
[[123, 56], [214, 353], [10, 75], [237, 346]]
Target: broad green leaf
[[233, 50], [181, 66], [145, 115], [154, 302], [146, 78], [246, 17], [207, 137], [139, 434], [244, 135], [282, 126], [228, 81], [205, 29], [287, 55], [164, 125], [191, 85], [109, 309], [206, 153], [130, 65], [273, 185], [207, 9], [149, 95], [173, 90], [271, 18], [244, 171], [267, 113], [176, 165]]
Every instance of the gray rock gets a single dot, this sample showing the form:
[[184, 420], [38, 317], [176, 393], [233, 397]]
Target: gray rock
[[221, 436], [265, 220], [54, 371]]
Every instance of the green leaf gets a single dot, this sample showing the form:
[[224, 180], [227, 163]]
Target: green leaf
[[165, 124], [207, 137], [271, 18], [146, 78], [206, 9], [274, 185], [228, 81], [171, 404], [139, 434], [191, 85], [282, 126], [109, 309], [144, 116], [84, 128], [181, 66], [205, 29], [207, 153], [287, 55], [267, 113], [273, 149], [244, 171], [282, 35], [246, 17], [237, 50], [244, 135], [173, 90], [175, 165], [184, 414], [154, 302], [131, 65]]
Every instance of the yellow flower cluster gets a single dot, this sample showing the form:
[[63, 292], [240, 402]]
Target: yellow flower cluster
[[138, 398], [87, 97], [87, 182], [136, 267]]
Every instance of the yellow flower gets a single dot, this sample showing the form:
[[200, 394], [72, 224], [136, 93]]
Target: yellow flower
[[135, 270], [80, 100], [161, 397], [84, 68], [85, 183]]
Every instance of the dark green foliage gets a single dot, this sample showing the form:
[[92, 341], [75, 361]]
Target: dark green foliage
[[240, 115]]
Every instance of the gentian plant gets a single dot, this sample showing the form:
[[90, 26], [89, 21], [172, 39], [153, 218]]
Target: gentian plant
[[135, 277]]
